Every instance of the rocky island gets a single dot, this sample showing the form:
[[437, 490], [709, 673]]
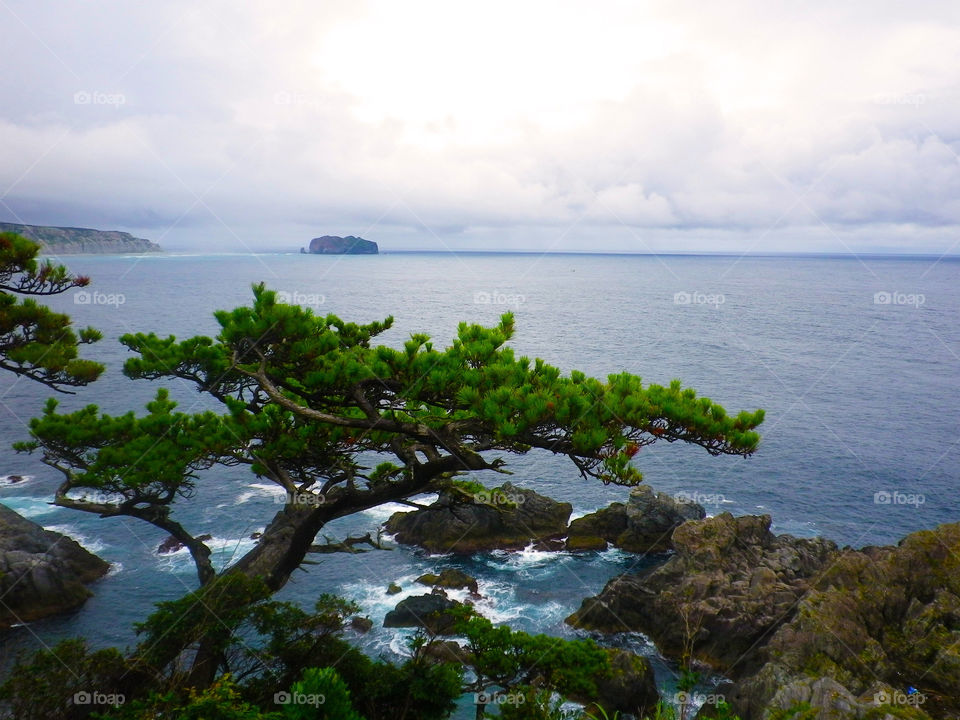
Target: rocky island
[[81, 241], [336, 245]]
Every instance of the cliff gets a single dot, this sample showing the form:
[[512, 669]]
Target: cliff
[[335, 245], [77, 241]]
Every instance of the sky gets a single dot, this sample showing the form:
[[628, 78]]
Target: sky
[[603, 126]]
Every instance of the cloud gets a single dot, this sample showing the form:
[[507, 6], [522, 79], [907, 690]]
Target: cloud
[[618, 125]]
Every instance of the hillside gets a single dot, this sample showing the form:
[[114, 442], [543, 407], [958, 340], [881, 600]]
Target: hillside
[[81, 241]]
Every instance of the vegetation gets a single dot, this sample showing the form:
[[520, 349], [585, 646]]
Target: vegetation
[[305, 402], [36, 342]]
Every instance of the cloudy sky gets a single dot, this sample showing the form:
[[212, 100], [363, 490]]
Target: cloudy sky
[[608, 126]]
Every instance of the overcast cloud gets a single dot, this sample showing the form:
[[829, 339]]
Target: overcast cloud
[[639, 126]]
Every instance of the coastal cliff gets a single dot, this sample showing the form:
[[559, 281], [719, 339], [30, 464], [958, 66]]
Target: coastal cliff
[[81, 241]]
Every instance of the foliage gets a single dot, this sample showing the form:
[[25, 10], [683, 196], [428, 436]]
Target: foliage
[[36, 342], [45, 684]]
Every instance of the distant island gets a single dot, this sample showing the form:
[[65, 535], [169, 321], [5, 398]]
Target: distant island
[[81, 241], [335, 245]]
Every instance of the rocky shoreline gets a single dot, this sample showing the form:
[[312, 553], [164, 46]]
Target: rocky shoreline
[[792, 622]]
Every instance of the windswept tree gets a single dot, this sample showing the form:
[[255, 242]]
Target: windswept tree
[[35, 341], [308, 400]]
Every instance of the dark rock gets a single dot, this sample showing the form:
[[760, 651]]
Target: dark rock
[[447, 651], [336, 245], [393, 589], [465, 525], [730, 584], [14, 479], [644, 524], [426, 611], [256, 535], [170, 544], [41, 571], [450, 578], [361, 624], [629, 688]]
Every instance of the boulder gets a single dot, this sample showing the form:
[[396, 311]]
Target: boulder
[[460, 524], [361, 624], [644, 524], [729, 585], [450, 578], [630, 687], [426, 611], [394, 589], [170, 544], [41, 571]]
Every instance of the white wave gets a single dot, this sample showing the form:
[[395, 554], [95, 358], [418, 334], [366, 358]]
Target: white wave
[[115, 569], [223, 551], [381, 513], [93, 545], [5, 480], [257, 490], [30, 507]]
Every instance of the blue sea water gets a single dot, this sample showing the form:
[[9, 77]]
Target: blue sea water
[[855, 360]]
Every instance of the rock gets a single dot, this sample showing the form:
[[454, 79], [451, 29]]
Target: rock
[[41, 572], [447, 651], [361, 624], [652, 518], [730, 584], [875, 622], [630, 687], [464, 525], [450, 578], [644, 524], [426, 611], [170, 544], [393, 589], [256, 535], [75, 241], [14, 479], [336, 245]]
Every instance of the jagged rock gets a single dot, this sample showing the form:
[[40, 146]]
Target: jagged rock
[[450, 578], [887, 615], [336, 245], [41, 571], [426, 611], [393, 589], [170, 544], [75, 241], [644, 524], [730, 584], [456, 524]]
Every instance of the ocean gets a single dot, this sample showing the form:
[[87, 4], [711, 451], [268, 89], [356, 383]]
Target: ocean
[[855, 360]]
